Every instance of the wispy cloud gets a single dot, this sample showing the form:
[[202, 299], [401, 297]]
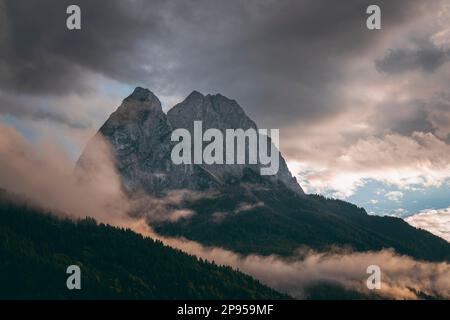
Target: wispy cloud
[[394, 195], [436, 221], [44, 173], [402, 277], [419, 160]]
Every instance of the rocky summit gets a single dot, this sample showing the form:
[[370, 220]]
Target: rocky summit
[[139, 133]]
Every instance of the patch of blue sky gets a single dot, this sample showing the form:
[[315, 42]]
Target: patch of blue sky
[[23, 127], [373, 197], [33, 134], [114, 88]]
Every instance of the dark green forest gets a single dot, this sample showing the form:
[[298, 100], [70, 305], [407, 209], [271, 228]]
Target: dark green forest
[[36, 248], [280, 221]]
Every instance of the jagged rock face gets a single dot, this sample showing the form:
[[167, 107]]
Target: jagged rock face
[[215, 111], [139, 134], [219, 112]]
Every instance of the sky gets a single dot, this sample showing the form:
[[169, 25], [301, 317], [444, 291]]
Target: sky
[[364, 115]]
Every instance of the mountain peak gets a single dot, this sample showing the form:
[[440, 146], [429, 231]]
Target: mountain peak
[[141, 99], [219, 96], [195, 95], [134, 110], [141, 94], [219, 112], [139, 132]]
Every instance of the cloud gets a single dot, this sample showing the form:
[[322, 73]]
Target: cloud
[[400, 212], [265, 54], [242, 207], [439, 115], [426, 57], [401, 276], [436, 221], [44, 57], [403, 117], [394, 195], [44, 174], [396, 160], [169, 207], [33, 108]]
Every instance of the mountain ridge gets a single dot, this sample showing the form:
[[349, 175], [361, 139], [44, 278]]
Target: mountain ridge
[[139, 133], [276, 219]]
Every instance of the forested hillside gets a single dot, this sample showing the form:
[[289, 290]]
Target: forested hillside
[[248, 218], [36, 248]]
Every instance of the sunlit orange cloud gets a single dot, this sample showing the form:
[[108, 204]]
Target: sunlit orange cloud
[[421, 159], [402, 276], [436, 221]]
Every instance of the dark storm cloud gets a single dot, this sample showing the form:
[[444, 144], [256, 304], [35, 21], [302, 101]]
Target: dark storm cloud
[[427, 57], [40, 55], [403, 118], [282, 60], [439, 115], [35, 109], [416, 115]]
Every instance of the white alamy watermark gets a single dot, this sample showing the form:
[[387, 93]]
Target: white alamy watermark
[[73, 21], [239, 146], [374, 280], [373, 22], [73, 282]]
